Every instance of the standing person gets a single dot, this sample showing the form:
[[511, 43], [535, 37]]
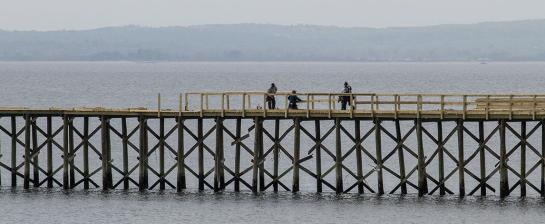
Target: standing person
[[346, 98], [271, 101], [293, 100]]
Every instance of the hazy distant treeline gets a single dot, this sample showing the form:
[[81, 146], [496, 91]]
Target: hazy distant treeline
[[523, 40]]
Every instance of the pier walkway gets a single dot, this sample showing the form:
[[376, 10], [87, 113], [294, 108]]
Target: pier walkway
[[384, 143]]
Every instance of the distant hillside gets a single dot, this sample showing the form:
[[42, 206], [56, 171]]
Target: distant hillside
[[511, 41]]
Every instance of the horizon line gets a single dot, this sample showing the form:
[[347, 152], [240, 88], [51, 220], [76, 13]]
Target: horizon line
[[271, 24]]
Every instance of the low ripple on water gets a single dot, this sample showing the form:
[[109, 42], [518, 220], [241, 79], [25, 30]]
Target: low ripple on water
[[119, 206]]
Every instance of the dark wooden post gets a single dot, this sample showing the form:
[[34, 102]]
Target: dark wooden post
[[378, 143], [482, 158], [523, 159], [504, 184], [86, 152], [13, 151], [161, 153], [219, 179], [401, 158], [125, 146], [422, 179], [237, 153], [181, 157], [276, 151], [338, 157], [71, 153], [542, 158], [200, 142], [106, 167], [258, 144], [49, 152], [143, 155], [359, 163], [296, 154], [318, 150], [26, 182], [65, 157], [461, 162], [35, 159], [441, 157]]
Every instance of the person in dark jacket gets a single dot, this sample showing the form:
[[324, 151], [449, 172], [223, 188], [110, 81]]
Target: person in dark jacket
[[293, 100], [271, 101], [345, 99]]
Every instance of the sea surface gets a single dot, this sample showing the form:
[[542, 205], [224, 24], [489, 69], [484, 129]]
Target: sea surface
[[131, 84]]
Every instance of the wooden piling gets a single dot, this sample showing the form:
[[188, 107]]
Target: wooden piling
[[401, 158], [143, 155], [504, 184], [461, 160], [359, 163], [219, 179], [542, 158], [65, 156], [85, 146], [523, 159], [338, 157], [161, 153], [13, 151], [441, 158], [482, 158], [180, 181], [422, 176], [49, 152], [35, 152], [296, 154], [200, 148], [71, 153], [106, 158], [318, 152], [378, 154], [237, 153], [258, 144], [26, 182], [125, 148], [276, 152]]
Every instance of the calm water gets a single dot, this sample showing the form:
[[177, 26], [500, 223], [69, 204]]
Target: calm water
[[70, 84]]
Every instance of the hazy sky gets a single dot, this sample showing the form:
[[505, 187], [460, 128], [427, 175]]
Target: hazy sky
[[84, 14]]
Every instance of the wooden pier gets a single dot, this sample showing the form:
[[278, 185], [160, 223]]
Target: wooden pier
[[384, 143]]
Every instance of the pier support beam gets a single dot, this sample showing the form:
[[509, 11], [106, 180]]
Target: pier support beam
[[422, 176], [401, 158], [143, 155], [441, 158], [258, 145], [13, 151], [504, 184], [219, 179], [49, 152], [461, 160], [359, 162], [125, 146], [26, 182], [482, 158], [378, 144], [86, 178], [200, 148], [162, 153], [238, 131], [318, 152], [180, 182], [276, 153], [296, 154], [523, 159], [66, 156], [338, 157], [35, 153], [106, 153]]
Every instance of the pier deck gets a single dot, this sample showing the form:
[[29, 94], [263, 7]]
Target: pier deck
[[384, 143]]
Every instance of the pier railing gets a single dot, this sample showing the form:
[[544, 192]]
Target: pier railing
[[370, 103]]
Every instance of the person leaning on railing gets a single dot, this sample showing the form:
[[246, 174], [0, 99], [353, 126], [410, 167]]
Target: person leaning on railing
[[293, 99], [271, 101], [345, 99]]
